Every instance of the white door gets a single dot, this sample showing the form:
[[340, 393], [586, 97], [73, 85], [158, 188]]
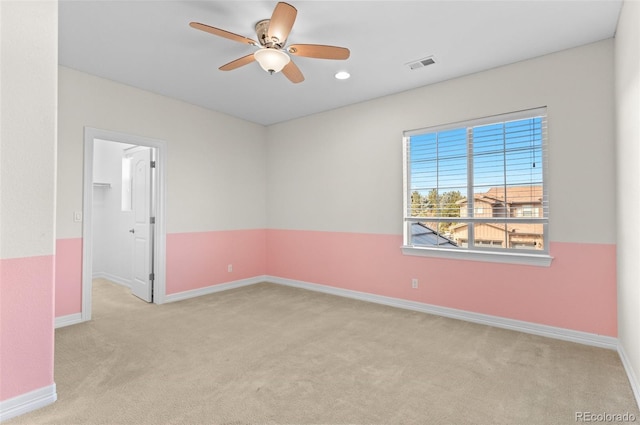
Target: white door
[[141, 233]]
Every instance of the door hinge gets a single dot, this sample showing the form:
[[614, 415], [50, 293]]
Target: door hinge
[[152, 220], [152, 276], [153, 164]]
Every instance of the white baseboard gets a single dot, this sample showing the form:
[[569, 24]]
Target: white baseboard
[[213, 288], [586, 338], [70, 319], [633, 379], [27, 402], [579, 337], [112, 278], [484, 319]]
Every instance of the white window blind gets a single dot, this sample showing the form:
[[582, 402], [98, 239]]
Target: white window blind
[[478, 184]]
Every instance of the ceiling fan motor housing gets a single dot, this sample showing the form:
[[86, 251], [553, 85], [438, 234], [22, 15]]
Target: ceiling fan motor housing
[[262, 31]]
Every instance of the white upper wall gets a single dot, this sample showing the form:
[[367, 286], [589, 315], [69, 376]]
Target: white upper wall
[[28, 90], [216, 173], [342, 170], [627, 64]]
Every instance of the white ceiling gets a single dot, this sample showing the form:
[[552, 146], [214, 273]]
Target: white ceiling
[[149, 45]]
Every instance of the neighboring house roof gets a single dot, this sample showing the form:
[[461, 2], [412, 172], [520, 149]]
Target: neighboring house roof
[[422, 234], [515, 195]]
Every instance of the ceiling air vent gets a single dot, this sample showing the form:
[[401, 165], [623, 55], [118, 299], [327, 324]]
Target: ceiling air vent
[[421, 63]]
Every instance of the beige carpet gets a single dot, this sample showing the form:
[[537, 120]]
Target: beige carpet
[[269, 354]]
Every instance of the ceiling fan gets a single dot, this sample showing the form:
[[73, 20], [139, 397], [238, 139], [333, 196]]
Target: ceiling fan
[[272, 36]]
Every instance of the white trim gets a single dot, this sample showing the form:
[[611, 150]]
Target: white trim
[[213, 289], [90, 134], [27, 402], [579, 337], [633, 379], [112, 278], [69, 319], [484, 319], [526, 259], [87, 220]]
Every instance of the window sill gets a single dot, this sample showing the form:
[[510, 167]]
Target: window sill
[[540, 260]]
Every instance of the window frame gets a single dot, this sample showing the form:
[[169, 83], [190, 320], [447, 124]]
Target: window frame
[[126, 196], [478, 253]]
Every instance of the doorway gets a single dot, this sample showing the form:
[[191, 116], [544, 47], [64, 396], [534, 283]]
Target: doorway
[[124, 235]]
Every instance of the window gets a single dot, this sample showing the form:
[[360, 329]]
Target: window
[[480, 186], [126, 183], [527, 211]]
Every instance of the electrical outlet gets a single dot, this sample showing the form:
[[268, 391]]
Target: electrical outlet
[[414, 283], [230, 268]]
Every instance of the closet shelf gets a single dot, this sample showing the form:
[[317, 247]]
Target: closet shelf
[[102, 185]]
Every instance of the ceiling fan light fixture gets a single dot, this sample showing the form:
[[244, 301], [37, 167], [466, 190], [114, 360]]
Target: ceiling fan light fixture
[[271, 60], [272, 34]]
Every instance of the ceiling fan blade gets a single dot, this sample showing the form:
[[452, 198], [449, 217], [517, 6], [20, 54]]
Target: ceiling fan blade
[[293, 73], [238, 63], [282, 19], [222, 33], [319, 51]]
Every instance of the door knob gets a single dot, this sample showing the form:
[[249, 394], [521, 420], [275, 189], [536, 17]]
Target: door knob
[[132, 231]]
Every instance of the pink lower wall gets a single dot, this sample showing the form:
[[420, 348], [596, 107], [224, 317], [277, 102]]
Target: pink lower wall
[[26, 324], [68, 276], [198, 260], [577, 292], [194, 260]]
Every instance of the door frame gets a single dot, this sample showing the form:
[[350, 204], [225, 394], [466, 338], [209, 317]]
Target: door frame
[[159, 233]]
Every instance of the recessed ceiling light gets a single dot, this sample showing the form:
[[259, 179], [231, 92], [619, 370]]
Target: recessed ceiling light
[[342, 75]]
